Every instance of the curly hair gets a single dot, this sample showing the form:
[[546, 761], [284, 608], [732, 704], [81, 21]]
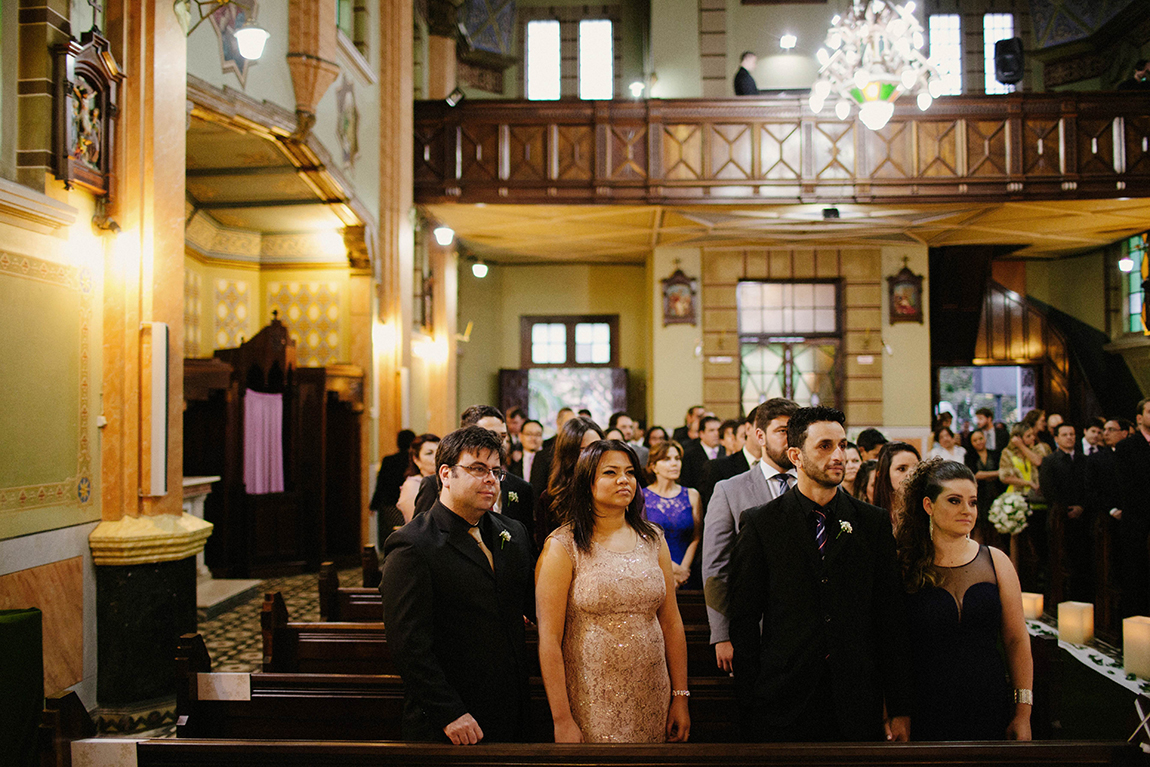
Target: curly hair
[[886, 494], [568, 446], [579, 508], [915, 548]]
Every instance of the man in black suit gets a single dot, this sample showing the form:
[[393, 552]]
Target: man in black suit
[[689, 431], [745, 84], [1062, 478], [816, 569], [735, 463], [995, 433], [1133, 458], [541, 467], [697, 456], [516, 499], [457, 583]]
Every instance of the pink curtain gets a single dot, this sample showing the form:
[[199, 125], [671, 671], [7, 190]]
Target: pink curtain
[[263, 442]]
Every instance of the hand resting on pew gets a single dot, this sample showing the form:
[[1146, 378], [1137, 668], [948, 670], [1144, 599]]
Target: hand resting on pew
[[464, 731]]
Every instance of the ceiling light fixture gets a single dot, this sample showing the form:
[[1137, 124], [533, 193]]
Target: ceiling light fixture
[[873, 55], [636, 89], [444, 235], [788, 41], [1126, 264], [479, 269]]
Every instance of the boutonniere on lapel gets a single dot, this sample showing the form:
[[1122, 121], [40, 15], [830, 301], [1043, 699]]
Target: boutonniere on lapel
[[844, 527], [512, 496], [504, 537]]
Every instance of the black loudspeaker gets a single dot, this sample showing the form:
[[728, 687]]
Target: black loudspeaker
[[1008, 61]]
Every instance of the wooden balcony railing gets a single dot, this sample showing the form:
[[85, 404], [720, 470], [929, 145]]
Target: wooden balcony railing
[[977, 148]]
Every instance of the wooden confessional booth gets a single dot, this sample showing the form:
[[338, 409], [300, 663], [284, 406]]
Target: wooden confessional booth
[[317, 516]]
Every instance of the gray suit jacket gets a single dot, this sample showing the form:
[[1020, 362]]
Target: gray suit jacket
[[730, 499]]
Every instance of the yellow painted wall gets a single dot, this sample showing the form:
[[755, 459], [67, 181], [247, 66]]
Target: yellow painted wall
[[676, 380], [1072, 285], [675, 50], [906, 385]]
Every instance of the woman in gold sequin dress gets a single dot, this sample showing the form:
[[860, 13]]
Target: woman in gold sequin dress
[[611, 642]]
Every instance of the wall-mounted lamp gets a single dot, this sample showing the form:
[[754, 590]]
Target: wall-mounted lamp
[[479, 269], [1126, 264], [444, 235], [636, 89], [788, 41], [250, 38]]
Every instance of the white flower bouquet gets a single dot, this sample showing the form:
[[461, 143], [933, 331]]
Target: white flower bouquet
[[1009, 513]]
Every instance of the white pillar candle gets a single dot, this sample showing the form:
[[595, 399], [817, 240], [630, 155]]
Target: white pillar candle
[[1076, 622], [1031, 606], [1136, 645]]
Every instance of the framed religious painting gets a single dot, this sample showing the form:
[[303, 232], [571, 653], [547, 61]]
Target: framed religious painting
[[679, 299], [905, 295], [87, 81]]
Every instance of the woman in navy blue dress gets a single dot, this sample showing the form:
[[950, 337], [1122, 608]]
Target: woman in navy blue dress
[[973, 673], [674, 508]]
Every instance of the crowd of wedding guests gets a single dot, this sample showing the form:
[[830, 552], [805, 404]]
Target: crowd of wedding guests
[[854, 590]]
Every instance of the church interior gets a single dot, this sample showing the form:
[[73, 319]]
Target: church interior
[[227, 281]]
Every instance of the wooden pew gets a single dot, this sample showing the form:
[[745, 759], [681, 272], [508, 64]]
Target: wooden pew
[[352, 603], [361, 647], [358, 706]]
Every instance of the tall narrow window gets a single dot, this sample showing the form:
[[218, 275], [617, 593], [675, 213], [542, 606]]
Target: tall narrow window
[[945, 32], [543, 60], [1137, 249], [596, 59], [995, 27]]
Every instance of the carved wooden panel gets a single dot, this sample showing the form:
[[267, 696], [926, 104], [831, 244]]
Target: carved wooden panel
[[479, 152], [937, 148], [1095, 146], [834, 150], [628, 152], [780, 151], [986, 148], [889, 152], [575, 152], [1041, 148], [731, 151], [429, 151], [1137, 136], [683, 151], [527, 152]]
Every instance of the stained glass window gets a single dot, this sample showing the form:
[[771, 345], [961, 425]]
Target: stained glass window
[[1137, 249]]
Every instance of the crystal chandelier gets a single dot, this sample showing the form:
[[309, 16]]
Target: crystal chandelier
[[872, 56]]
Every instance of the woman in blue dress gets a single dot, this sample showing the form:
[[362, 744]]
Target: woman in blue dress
[[674, 508], [970, 650]]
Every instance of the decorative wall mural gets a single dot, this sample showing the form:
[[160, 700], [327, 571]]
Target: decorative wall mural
[[311, 312], [231, 313], [490, 25], [226, 20], [1063, 21], [347, 127]]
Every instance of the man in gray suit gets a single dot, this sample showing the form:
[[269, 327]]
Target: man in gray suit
[[766, 480]]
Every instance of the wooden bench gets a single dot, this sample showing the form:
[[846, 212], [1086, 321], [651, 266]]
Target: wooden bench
[[363, 603], [358, 706], [332, 647]]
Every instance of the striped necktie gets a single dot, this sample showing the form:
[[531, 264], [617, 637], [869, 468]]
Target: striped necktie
[[821, 530], [783, 484]]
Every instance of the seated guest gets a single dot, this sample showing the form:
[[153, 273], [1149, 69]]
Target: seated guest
[[654, 436], [964, 602], [946, 446], [576, 434], [612, 649], [983, 463], [895, 461], [674, 508], [851, 463], [421, 464], [816, 605], [865, 481], [870, 441], [455, 630]]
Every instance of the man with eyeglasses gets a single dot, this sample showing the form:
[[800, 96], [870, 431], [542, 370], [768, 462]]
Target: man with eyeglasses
[[457, 583], [517, 497]]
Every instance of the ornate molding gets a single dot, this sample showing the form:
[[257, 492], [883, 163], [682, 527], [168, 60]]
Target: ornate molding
[[29, 209], [145, 540]]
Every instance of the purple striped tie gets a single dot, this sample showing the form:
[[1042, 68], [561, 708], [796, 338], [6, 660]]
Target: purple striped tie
[[821, 530], [782, 478]]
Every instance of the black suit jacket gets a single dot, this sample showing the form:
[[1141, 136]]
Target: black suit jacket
[[388, 481], [1062, 479], [541, 466], [842, 615], [1102, 481], [516, 500], [1133, 458], [455, 627], [726, 467], [696, 466], [745, 84]]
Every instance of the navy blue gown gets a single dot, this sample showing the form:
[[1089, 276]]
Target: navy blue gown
[[961, 686]]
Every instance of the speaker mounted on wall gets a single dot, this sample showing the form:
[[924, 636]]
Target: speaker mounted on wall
[[1008, 61]]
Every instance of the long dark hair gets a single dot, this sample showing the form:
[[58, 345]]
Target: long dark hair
[[915, 549], [885, 493], [579, 510], [568, 445], [413, 453], [862, 479]]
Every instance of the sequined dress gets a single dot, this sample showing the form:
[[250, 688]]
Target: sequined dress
[[613, 655]]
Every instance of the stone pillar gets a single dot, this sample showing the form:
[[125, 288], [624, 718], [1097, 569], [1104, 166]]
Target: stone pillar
[[441, 397], [145, 548], [442, 28], [396, 230]]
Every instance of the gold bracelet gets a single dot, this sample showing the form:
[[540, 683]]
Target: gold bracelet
[[680, 693], [1024, 696]]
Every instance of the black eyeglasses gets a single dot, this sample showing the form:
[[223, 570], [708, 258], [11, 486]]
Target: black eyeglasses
[[480, 471]]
